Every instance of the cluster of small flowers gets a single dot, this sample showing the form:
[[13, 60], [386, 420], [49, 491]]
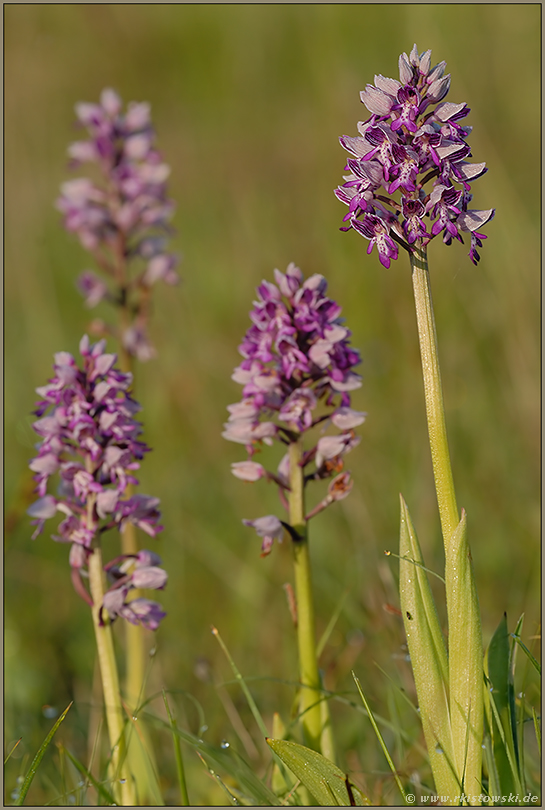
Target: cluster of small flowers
[[125, 217], [296, 356], [89, 436], [407, 142]]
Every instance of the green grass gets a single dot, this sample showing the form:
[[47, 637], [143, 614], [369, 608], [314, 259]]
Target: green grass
[[248, 103]]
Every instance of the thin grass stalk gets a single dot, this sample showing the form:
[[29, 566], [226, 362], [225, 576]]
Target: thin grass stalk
[[178, 754], [465, 636], [310, 704]]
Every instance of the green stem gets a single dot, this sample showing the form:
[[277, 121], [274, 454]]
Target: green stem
[[465, 636], [134, 635], [123, 785], [310, 705], [433, 392]]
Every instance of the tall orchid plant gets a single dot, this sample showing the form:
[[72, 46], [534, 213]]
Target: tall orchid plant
[[410, 182], [122, 220], [89, 438], [297, 375]]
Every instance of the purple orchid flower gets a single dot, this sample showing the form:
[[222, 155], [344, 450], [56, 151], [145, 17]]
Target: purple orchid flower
[[297, 375], [90, 439], [406, 144], [123, 219]]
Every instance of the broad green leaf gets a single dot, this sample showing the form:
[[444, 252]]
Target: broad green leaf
[[324, 780], [428, 656], [502, 705], [465, 649], [38, 758]]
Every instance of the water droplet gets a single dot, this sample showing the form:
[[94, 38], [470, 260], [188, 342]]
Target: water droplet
[[212, 772], [438, 749], [152, 652], [418, 709], [50, 712], [224, 744], [203, 729], [71, 800], [134, 717], [122, 781], [483, 747], [520, 695], [15, 794], [20, 780]]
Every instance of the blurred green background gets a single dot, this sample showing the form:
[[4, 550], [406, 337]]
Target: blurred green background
[[248, 103]]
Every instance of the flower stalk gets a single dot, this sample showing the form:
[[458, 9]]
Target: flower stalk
[[433, 393], [123, 221], [91, 440], [310, 704], [298, 374], [122, 779], [465, 636]]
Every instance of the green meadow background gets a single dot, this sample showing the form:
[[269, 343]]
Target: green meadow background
[[248, 102]]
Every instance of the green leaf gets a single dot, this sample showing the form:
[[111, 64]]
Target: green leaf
[[465, 650], [38, 758], [324, 780], [502, 704], [428, 656]]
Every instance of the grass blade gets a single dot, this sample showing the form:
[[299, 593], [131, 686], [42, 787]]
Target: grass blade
[[101, 790], [380, 739], [228, 760], [251, 702], [38, 758], [12, 750], [178, 754]]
